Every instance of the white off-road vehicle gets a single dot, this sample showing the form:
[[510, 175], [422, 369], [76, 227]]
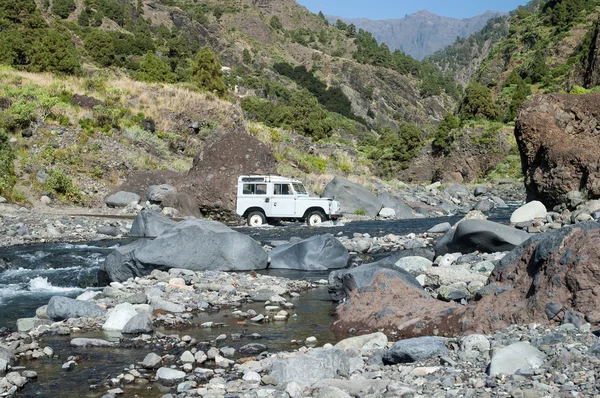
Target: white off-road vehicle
[[264, 198]]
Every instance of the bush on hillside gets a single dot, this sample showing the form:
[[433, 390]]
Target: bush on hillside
[[443, 139], [7, 171], [478, 103], [153, 70]]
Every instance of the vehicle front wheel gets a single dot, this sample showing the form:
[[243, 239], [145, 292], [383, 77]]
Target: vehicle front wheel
[[256, 219], [315, 217]]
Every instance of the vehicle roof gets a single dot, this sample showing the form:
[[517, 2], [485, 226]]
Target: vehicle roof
[[266, 178]]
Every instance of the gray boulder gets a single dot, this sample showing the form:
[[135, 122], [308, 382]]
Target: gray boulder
[[353, 197], [150, 224], [457, 191], [413, 350], [197, 245], [484, 205], [317, 253], [169, 377], [152, 361], [483, 235], [509, 360], [122, 199], [342, 282], [529, 211], [108, 230], [61, 308], [403, 211], [6, 358], [414, 264], [156, 193], [141, 323], [84, 342], [315, 365], [440, 228]]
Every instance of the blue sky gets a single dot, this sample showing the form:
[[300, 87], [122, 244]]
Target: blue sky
[[392, 9]]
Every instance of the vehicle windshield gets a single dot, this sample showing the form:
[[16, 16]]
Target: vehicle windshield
[[299, 188]]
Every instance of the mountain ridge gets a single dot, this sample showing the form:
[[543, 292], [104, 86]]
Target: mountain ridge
[[422, 33]]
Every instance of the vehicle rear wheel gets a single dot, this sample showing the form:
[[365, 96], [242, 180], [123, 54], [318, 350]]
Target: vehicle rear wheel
[[256, 219], [315, 217]]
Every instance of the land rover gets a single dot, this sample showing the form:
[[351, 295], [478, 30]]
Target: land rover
[[264, 198]]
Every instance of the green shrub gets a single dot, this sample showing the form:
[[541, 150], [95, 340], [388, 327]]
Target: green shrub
[[360, 212], [153, 70], [7, 171], [148, 140], [61, 185]]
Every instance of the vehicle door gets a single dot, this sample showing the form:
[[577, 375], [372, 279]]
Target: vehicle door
[[283, 201], [254, 194]]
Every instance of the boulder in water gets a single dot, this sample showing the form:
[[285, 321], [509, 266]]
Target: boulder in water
[[150, 224], [197, 245], [317, 253]]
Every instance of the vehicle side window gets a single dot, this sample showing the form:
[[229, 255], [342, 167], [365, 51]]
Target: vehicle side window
[[282, 189], [248, 189], [261, 189]]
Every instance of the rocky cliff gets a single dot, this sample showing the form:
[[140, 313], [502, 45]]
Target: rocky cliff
[[558, 136]]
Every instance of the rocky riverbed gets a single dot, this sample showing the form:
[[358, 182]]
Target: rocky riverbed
[[445, 264]]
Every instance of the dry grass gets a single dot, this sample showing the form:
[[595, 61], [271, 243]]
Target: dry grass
[[153, 99]]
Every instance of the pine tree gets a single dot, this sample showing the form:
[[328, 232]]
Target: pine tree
[[206, 72]]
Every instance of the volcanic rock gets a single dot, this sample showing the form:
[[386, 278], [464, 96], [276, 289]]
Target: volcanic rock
[[397, 308], [557, 136], [545, 277], [214, 173]]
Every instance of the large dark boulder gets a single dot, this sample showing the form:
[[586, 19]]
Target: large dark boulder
[[197, 245], [353, 197], [342, 282], [317, 253], [549, 279], [403, 211], [482, 235], [214, 173], [558, 140], [61, 308], [150, 224]]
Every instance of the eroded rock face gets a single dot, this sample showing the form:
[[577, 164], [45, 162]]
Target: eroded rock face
[[544, 280], [214, 173], [558, 138]]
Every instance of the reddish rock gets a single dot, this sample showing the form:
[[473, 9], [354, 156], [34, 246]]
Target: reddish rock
[[396, 308], [558, 138], [551, 276], [545, 280]]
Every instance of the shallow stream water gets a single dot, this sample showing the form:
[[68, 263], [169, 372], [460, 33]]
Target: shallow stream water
[[34, 273]]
